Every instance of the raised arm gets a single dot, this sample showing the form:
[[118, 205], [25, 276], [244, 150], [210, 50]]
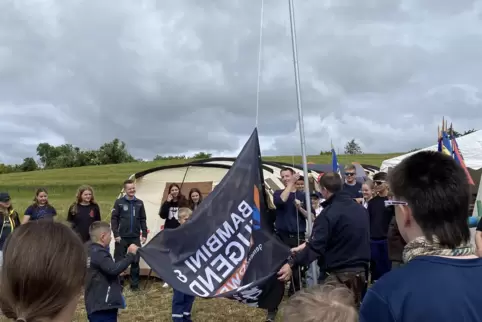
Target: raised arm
[[105, 263], [164, 210]]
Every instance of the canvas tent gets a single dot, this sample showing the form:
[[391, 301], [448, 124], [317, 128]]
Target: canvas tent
[[470, 146], [152, 185]]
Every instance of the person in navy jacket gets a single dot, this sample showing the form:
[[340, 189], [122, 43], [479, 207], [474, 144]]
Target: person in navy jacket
[[103, 290], [441, 278], [340, 240]]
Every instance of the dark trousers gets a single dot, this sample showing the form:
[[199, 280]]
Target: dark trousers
[[355, 281], [120, 252], [380, 262], [104, 316], [294, 240], [181, 306]]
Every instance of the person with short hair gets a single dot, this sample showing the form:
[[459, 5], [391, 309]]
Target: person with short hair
[[340, 240], [44, 268], [103, 290], [328, 303], [182, 303], [351, 185], [290, 218], [380, 218], [129, 223], [440, 280]]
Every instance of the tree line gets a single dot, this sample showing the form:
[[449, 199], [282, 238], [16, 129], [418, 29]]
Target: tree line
[[352, 147], [115, 152], [70, 156]]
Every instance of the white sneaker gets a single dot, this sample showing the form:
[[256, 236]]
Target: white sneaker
[[165, 285]]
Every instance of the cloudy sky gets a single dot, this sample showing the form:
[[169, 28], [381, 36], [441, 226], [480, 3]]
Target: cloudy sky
[[179, 76]]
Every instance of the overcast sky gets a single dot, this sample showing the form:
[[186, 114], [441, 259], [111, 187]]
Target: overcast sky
[[179, 76]]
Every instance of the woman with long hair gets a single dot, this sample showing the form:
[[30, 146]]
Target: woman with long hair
[[195, 198], [40, 209], [83, 212], [44, 269], [9, 220], [169, 209]]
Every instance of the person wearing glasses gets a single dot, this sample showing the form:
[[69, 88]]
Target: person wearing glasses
[[351, 186], [380, 218], [440, 280]]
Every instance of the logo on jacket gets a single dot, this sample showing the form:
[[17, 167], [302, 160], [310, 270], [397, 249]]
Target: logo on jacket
[[91, 213], [126, 207]]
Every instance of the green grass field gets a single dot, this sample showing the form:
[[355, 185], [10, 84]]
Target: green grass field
[[153, 303]]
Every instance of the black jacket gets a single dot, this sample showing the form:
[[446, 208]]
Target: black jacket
[[170, 209], [103, 290], [7, 225], [128, 218], [340, 237]]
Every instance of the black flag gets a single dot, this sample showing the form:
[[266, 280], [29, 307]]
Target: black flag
[[225, 250]]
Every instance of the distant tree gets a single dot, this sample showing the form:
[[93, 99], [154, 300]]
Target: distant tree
[[458, 134], [169, 157], [115, 152], [413, 150], [29, 164], [202, 155], [352, 147], [325, 152]]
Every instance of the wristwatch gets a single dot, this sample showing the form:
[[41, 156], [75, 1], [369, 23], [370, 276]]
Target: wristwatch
[[291, 261]]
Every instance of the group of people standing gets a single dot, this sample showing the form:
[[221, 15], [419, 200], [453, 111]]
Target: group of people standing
[[353, 227]]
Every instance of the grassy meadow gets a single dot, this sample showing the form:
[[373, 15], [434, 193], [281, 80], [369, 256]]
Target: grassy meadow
[[153, 302]]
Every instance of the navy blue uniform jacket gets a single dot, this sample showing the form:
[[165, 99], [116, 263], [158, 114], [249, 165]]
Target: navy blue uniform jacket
[[341, 235]]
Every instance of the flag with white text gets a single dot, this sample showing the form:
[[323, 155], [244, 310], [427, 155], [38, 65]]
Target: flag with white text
[[225, 250]]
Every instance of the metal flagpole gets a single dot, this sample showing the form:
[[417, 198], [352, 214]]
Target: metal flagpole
[[302, 129]]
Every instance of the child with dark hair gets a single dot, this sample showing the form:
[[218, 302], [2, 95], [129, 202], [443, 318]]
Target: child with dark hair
[[440, 280], [40, 209]]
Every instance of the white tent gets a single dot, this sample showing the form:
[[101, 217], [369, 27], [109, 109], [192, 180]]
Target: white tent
[[470, 146]]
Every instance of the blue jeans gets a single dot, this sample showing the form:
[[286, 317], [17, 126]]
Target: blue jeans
[[380, 262], [104, 316], [310, 281], [181, 306]]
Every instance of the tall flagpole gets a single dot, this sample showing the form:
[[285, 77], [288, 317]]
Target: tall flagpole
[[302, 128]]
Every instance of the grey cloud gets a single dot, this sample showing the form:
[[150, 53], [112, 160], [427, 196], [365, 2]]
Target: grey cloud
[[177, 76]]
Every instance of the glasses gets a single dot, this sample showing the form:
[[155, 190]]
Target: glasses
[[349, 174], [389, 203], [379, 182]]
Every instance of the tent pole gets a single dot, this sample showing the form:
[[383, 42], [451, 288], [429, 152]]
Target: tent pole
[[302, 129]]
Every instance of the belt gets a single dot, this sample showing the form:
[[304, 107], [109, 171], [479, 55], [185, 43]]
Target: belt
[[357, 269], [291, 235]]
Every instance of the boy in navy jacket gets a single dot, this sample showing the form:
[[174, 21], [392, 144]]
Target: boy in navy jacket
[[103, 290]]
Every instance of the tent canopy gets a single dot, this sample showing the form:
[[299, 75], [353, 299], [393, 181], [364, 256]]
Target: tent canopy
[[470, 145]]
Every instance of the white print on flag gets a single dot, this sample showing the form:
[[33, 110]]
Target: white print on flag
[[220, 264]]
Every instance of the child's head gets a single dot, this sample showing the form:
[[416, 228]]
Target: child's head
[[43, 272], [367, 189], [184, 214], [41, 197], [100, 233], [327, 303]]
